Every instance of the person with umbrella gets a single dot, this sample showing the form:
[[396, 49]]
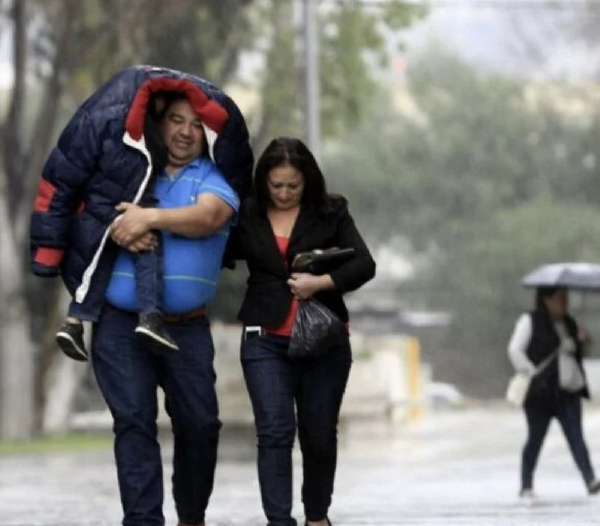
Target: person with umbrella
[[548, 344]]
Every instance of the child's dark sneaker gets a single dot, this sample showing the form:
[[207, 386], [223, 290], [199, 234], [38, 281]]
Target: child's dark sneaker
[[152, 332], [70, 340]]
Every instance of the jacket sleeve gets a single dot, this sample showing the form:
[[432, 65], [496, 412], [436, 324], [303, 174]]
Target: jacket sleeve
[[233, 249], [361, 268], [66, 171], [233, 152], [517, 346]]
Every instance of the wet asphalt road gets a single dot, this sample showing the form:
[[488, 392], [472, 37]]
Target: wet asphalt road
[[454, 468]]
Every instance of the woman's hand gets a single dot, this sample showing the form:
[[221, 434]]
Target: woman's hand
[[304, 285], [584, 339], [582, 334]]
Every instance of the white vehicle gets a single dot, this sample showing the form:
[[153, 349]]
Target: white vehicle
[[441, 394]]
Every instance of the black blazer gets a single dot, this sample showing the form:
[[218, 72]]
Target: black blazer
[[268, 297]]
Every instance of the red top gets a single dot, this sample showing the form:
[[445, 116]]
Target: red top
[[285, 329]]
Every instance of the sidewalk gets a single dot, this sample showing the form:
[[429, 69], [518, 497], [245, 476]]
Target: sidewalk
[[453, 469]]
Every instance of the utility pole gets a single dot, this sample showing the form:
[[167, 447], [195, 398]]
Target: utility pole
[[312, 95]]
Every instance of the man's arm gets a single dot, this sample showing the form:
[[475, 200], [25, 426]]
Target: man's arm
[[204, 218]]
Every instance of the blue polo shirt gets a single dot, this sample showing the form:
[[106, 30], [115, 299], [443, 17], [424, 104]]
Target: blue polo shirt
[[190, 266]]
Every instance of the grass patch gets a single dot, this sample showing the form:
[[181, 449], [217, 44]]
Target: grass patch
[[59, 443]]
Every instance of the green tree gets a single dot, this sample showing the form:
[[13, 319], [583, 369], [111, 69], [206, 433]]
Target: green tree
[[472, 144], [496, 176], [352, 45], [25, 133], [480, 278]]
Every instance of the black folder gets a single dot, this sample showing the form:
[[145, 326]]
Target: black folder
[[321, 261]]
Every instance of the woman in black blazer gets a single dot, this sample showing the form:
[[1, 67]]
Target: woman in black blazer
[[292, 212]]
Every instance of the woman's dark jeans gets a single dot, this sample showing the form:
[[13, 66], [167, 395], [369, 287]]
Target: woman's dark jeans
[[279, 389], [567, 410]]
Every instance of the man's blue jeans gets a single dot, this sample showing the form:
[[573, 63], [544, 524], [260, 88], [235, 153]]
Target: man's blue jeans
[[279, 388], [128, 377]]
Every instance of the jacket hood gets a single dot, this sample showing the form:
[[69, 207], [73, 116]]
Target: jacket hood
[[211, 113]]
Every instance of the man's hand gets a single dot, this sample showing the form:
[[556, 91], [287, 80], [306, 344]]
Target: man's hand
[[304, 285], [148, 241], [131, 225]]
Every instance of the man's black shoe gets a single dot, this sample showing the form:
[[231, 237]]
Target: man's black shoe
[[152, 332], [70, 340]]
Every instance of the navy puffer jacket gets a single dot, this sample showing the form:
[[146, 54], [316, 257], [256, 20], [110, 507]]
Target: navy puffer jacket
[[101, 159]]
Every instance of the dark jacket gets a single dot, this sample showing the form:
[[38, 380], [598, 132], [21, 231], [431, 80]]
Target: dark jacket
[[544, 341], [268, 297], [101, 159]]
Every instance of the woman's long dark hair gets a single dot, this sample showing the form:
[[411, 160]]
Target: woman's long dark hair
[[541, 294], [284, 151]]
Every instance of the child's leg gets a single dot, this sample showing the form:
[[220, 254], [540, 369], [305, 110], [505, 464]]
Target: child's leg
[[70, 335], [149, 287], [148, 278], [86, 311]]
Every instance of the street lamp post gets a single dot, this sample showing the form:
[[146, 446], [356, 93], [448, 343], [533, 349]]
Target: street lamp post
[[311, 78]]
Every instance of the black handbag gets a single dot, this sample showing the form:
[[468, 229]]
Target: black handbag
[[317, 330], [320, 261]]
